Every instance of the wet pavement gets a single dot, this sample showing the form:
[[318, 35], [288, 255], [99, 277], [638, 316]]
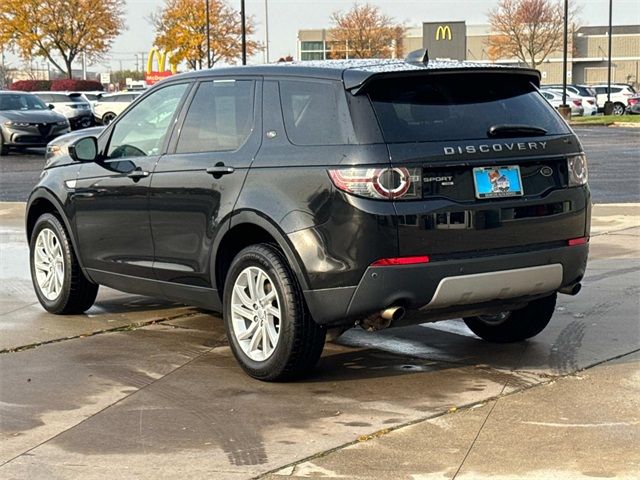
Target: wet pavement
[[141, 388]]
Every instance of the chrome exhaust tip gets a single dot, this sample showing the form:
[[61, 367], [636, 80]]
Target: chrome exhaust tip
[[383, 319], [392, 313], [571, 289]]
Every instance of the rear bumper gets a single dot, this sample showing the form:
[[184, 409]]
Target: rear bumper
[[449, 288]]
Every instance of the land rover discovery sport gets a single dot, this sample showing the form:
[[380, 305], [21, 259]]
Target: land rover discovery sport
[[301, 198]]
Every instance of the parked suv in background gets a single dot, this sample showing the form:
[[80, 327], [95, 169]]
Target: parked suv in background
[[620, 93], [25, 121], [111, 105], [74, 106], [305, 197]]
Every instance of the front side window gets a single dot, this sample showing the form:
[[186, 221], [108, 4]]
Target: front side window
[[143, 129], [316, 113], [220, 117]]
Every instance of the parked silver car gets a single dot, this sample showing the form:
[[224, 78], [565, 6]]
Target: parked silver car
[[554, 97], [25, 121]]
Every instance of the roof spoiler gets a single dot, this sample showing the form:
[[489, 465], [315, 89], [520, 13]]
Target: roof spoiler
[[418, 57]]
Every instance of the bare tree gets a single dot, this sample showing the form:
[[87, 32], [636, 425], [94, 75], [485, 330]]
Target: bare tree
[[529, 30]]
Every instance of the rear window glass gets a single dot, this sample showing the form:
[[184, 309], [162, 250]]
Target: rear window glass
[[444, 107], [316, 113]]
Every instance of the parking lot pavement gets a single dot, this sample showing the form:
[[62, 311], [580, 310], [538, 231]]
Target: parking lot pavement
[[140, 388]]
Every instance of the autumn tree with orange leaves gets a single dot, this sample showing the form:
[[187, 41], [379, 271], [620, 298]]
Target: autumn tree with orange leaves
[[366, 33], [60, 30], [181, 29], [529, 30]]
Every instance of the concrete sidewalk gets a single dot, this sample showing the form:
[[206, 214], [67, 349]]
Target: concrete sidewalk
[[581, 426]]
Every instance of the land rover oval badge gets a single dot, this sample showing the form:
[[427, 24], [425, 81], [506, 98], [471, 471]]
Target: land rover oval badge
[[546, 171]]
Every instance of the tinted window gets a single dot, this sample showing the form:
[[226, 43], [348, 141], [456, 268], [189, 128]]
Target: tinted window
[[142, 130], [442, 106], [316, 113], [20, 101], [44, 97], [601, 90], [616, 89], [60, 98], [220, 117]]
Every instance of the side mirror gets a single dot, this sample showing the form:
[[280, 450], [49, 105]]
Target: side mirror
[[84, 150], [51, 106]]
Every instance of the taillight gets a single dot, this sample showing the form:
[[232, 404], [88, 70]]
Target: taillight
[[591, 102], [577, 103], [577, 241], [385, 262], [578, 171], [396, 183], [632, 101]]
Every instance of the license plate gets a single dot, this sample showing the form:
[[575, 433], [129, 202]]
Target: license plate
[[497, 182]]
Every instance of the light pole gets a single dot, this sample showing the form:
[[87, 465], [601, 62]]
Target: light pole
[[207, 28], [266, 28], [564, 109], [244, 33], [608, 106]]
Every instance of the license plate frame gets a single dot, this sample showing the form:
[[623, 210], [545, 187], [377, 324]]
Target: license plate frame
[[503, 181]]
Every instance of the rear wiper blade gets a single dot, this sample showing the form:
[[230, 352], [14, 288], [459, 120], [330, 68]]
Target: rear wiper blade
[[515, 131]]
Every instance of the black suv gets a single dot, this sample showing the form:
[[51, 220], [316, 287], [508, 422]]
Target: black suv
[[302, 198]]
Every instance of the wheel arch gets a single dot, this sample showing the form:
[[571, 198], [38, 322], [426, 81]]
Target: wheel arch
[[43, 201], [246, 228]]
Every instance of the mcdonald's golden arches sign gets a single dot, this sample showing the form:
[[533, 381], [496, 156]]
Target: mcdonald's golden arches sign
[[163, 60], [445, 40]]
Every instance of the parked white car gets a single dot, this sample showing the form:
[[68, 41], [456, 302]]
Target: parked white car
[[74, 106], [112, 105], [555, 99], [589, 103], [620, 93]]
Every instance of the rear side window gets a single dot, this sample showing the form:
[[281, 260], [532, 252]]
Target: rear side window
[[220, 117], [316, 113], [443, 107]]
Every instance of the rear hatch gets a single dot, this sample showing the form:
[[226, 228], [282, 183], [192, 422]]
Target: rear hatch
[[490, 158]]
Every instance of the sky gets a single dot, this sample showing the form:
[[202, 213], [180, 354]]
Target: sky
[[287, 17]]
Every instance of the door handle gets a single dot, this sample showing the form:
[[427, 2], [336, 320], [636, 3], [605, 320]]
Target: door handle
[[220, 170], [138, 174]]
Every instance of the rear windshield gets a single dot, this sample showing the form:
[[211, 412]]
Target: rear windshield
[[444, 107]]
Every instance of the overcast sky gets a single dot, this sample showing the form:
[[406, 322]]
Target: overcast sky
[[287, 17]]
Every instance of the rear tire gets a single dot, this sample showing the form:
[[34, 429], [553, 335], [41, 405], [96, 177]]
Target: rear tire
[[516, 325], [618, 109], [60, 285], [262, 299]]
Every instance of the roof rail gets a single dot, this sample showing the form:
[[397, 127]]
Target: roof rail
[[418, 57]]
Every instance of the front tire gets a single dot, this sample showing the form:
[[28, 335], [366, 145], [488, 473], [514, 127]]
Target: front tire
[[4, 149], [515, 325], [270, 330], [107, 118], [57, 278]]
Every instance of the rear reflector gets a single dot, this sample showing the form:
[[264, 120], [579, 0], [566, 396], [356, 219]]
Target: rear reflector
[[577, 241], [384, 262]]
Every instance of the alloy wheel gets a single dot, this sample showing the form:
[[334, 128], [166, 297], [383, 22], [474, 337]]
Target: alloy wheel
[[255, 313], [49, 264]]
